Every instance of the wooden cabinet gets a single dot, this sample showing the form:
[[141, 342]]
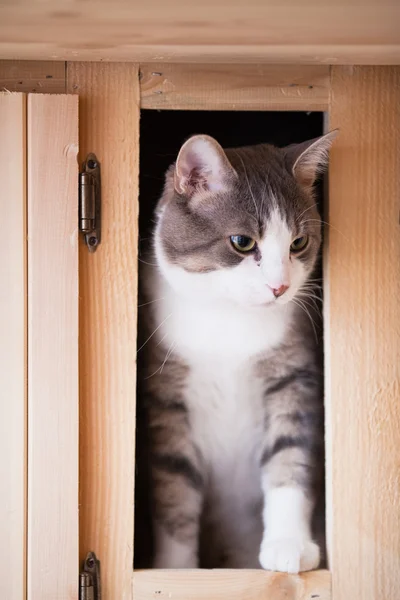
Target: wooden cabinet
[[50, 359]]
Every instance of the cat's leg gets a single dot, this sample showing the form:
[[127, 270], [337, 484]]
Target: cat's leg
[[177, 487], [291, 469]]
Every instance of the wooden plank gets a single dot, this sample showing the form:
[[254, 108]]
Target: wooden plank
[[30, 76], [233, 584], [234, 87], [363, 324], [109, 118], [52, 347], [13, 351], [221, 30]]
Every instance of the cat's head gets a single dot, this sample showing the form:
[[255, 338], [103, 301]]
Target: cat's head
[[240, 225]]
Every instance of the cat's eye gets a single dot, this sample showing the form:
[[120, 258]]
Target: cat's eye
[[242, 243], [299, 243]]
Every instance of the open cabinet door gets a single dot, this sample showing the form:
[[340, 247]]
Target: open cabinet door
[[39, 347]]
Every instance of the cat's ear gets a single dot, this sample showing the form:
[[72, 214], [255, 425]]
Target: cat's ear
[[202, 165], [310, 158]]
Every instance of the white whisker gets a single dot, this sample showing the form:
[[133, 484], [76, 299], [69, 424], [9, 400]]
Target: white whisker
[[304, 211], [147, 263], [313, 306], [151, 302], [156, 329], [315, 279], [313, 287], [264, 194], [328, 224], [300, 305], [306, 295], [169, 352], [310, 291], [162, 339]]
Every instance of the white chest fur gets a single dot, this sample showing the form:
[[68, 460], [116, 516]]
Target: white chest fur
[[226, 419], [219, 342]]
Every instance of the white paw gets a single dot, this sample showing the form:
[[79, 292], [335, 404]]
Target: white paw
[[289, 555]]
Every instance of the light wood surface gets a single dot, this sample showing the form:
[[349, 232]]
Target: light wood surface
[[363, 327], [233, 584], [109, 127], [13, 350], [52, 347], [44, 77], [290, 31], [234, 87]]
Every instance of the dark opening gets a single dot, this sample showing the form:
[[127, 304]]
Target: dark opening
[[161, 135]]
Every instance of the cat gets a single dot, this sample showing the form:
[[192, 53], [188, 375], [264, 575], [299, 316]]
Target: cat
[[229, 366]]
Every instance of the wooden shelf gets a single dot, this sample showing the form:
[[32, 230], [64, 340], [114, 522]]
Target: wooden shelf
[[233, 584]]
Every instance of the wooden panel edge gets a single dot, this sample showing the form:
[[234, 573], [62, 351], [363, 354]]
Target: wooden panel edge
[[13, 346], [234, 87], [233, 584]]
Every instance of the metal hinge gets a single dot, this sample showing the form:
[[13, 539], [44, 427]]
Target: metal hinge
[[89, 579], [90, 202]]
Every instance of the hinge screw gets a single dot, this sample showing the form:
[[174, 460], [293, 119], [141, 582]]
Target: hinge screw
[[89, 580], [92, 164]]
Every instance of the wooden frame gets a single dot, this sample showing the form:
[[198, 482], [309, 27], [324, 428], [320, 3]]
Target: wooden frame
[[109, 126], [362, 389], [234, 87], [363, 346]]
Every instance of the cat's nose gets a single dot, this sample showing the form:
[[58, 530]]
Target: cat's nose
[[278, 291]]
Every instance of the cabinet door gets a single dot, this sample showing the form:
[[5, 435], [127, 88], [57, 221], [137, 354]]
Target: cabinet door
[[39, 346]]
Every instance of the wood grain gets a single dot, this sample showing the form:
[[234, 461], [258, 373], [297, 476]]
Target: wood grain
[[363, 327], [32, 76], [234, 87], [52, 347], [233, 584], [109, 126], [290, 31], [13, 346]]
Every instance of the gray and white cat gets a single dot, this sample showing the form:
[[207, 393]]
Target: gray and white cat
[[230, 375]]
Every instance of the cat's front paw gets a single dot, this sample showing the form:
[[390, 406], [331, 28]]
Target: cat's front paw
[[289, 555]]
